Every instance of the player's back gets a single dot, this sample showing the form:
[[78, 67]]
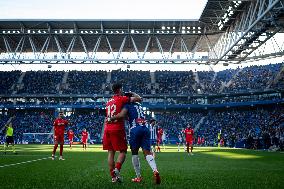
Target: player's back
[[113, 107], [136, 115]]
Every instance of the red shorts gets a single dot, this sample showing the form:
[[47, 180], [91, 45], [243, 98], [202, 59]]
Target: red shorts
[[70, 139], [159, 140], [58, 139], [189, 142], [84, 141], [114, 140]]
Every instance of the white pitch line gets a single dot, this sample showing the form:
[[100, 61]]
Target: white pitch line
[[30, 161]]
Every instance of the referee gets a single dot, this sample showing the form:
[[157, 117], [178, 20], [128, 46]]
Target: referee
[[9, 138]]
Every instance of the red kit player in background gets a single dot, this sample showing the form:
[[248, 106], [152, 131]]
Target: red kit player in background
[[85, 135], [159, 138], [189, 138], [58, 134], [114, 138], [70, 137]]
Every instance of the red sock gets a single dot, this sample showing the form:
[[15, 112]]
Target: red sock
[[111, 172], [61, 149], [54, 149], [118, 165]]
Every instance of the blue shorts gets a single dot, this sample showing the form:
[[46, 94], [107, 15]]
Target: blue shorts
[[153, 142], [140, 138]]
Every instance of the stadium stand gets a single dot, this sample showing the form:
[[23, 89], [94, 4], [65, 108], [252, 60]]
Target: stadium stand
[[85, 82], [8, 80], [41, 82], [174, 82], [166, 82], [138, 81]]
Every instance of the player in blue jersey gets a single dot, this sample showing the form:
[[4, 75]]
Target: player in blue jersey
[[139, 138]]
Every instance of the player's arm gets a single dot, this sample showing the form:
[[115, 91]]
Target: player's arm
[[53, 130], [120, 115]]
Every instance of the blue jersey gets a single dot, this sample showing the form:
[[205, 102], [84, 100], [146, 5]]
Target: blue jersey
[[139, 133], [136, 116]]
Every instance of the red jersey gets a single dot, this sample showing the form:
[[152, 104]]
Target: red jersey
[[199, 140], [59, 126], [203, 140], [188, 134], [114, 107], [160, 133], [84, 135], [70, 135]]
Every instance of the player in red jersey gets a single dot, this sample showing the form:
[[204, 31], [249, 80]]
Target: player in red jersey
[[159, 138], [189, 138], [114, 138], [84, 139], [198, 140], [58, 134], [203, 141], [70, 134]]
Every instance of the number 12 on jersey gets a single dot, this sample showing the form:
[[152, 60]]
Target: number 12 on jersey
[[111, 109]]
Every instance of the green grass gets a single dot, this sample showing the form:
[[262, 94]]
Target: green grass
[[208, 168]]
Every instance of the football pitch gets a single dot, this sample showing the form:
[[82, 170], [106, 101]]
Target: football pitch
[[32, 167]]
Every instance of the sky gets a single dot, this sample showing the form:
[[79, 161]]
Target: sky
[[102, 9]]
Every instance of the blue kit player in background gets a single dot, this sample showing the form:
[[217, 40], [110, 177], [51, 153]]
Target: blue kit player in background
[[139, 138]]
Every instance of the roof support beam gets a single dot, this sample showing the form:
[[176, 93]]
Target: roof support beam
[[96, 47], [245, 34]]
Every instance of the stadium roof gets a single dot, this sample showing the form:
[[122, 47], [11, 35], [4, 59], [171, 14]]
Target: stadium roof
[[113, 35], [141, 30]]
